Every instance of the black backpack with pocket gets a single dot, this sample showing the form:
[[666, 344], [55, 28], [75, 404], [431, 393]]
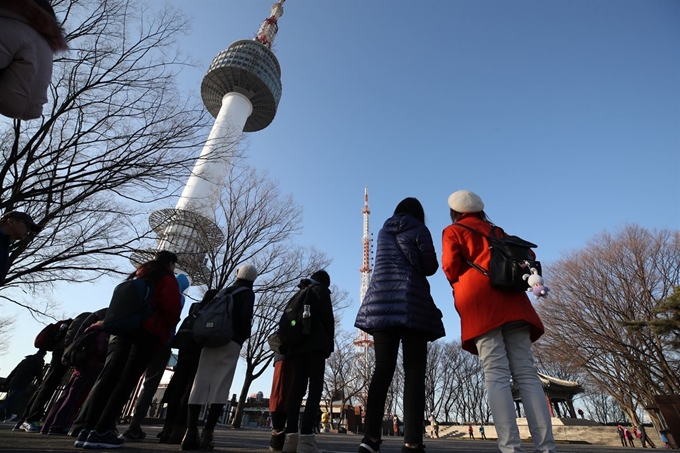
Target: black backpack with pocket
[[511, 258]]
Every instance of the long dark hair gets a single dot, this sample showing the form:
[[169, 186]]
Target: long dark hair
[[412, 207], [156, 268]]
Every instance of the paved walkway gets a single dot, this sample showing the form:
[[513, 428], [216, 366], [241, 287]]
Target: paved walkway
[[257, 441]]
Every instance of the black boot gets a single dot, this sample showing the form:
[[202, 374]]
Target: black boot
[[191, 440], [277, 440], [207, 443], [177, 434]]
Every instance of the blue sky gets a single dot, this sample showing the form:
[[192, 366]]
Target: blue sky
[[563, 116]]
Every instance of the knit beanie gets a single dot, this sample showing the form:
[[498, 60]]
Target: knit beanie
[[464, 201], [247, 272], [321, 277]]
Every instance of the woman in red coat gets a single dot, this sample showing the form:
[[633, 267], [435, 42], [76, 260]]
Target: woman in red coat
[[499, 326]]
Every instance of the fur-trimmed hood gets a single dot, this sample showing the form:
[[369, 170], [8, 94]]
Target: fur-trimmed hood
[[40, 20]]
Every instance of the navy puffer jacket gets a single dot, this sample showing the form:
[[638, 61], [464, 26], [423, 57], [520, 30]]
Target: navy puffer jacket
[[398, 295]]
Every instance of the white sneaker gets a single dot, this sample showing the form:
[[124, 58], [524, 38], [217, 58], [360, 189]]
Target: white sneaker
[[11, 419]]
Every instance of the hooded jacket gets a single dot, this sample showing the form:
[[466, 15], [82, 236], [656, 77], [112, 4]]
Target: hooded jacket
[[481, 307], [398, 295], [29, 36]]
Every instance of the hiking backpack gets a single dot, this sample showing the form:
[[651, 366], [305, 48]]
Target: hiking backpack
[[80, 350], [214, 325], [511, 258], [294, 324], [51, 337], [130, 306]]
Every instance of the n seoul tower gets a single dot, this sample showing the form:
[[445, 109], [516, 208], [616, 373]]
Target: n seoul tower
[[241, 89]]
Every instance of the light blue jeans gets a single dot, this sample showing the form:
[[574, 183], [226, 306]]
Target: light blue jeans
[[506, 354]]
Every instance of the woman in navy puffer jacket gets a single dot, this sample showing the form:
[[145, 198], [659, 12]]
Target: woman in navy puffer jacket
[[398, 308]]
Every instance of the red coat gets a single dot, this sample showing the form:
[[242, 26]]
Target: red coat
[[481, 308], [167, 307]]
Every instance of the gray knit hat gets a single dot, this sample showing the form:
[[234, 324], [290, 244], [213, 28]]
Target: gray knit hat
[[464, 201], [247, 272]]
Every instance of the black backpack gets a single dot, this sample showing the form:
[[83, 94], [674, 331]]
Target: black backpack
[[130, 306], [294, 325], [213, 325], [511, 258], [81, 349], [184, 338]]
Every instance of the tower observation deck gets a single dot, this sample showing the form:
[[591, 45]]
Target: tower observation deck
[[241, 90]]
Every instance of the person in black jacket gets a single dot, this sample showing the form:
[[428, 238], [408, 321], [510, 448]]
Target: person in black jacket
[[217, 365], [308, 359], [178, 390], [398, 309], [30, 368]]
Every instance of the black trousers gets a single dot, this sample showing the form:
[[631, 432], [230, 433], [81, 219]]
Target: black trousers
[[308, 369], [38, 402], [152, 378], [126, 360], [386, 346], [179, 387]]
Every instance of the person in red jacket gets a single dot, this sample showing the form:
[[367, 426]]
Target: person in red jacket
[[497, 325], [129, 355]]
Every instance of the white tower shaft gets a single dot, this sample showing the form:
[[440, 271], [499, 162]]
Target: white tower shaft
[[205, 184]]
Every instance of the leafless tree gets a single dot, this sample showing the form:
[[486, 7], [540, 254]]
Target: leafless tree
[[615, 279], [6, 328], [344, 378], [117, 134]]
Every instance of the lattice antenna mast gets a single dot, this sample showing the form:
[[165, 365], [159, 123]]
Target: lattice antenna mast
[[363, 339], [270, 26]]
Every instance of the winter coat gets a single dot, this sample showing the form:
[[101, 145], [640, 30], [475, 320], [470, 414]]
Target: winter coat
[[29, 36], [481, 308], [23, 374], [242, 313], [165, 306], [322, 322], [398, 296]]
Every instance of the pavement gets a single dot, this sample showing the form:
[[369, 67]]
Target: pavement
[[254, 440]]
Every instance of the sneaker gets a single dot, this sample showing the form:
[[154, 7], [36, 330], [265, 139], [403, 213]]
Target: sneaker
[[17, 427], [57, 431], [82, 437], [369, 446], [277, 440], [11, 418], [31, 427], [133, 435], [106, 439]]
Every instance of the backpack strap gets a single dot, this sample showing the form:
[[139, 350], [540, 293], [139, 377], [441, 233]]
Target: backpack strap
[[470, 263]]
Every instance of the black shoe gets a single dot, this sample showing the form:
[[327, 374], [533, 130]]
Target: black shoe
[[369, 446], [133, 435], [107, 439], [164, 435], [82, 437], [418, 449], [277, 440], [207, 443], [191, 440]]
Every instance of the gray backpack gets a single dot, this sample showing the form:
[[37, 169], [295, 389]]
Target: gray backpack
[[214, 326]]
